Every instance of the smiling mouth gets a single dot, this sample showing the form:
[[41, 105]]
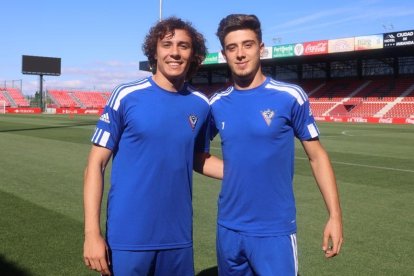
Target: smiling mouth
[[241, 64], [174, 63]]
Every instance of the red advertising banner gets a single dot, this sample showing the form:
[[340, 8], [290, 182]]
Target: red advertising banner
[[315, 47], [365, 120], [98, 111], [88, 111], [23, 110]]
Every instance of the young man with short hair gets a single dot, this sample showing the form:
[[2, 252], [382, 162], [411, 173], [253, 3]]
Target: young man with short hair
[[258, 119]]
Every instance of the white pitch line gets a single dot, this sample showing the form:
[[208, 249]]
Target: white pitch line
[[366, 166], [353, 164], [346, 133]]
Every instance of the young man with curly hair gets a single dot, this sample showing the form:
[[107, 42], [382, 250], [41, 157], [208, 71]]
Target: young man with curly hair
[[153, 129]]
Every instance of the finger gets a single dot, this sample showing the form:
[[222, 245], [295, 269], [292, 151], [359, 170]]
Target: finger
[[96, 265], [86, 261], [105, 268], [339, 245], [334, 246], [91, 265], [336, 243], [330, 252], [325, 243]]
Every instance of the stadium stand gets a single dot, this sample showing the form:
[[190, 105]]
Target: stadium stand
[[372, 77], [374, 82], [319, 108], [375, 98], [366, 109], [63, 98], [78, 99], [334, 90], [401, 110], [18, 97], [90, 99], [4, 98], [385, 97], [13, 97]]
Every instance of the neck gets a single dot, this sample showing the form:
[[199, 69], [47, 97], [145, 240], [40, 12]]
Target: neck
[[169, 84], [247, 82]]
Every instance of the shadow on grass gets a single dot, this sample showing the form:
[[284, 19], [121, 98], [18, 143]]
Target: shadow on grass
[[212, 271], [10, 269], [92, 123], [44, 241]]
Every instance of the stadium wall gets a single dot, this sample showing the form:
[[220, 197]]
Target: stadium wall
[[69, 110], [98, 112], [371, 120], [23, 110]]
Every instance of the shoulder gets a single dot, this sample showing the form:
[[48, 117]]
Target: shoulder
[[197, 94], [123, 90], [221, 94], [292, 90]]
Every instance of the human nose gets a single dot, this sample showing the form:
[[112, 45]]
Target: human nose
[[174, 51], [240, 53]]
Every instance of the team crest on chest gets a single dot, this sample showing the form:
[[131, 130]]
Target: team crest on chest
[[192, 119], [268, 116]]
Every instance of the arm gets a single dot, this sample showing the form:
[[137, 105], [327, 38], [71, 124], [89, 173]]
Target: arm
[[325, 178], [208, 165], [95, 248]]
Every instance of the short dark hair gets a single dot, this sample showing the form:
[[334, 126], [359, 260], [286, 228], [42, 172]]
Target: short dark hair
[[167, 26], [235, 22]]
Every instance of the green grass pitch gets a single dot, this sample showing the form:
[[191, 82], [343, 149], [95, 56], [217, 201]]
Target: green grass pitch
[[42, 159]]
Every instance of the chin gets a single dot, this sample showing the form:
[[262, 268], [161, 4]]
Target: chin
[[243, 74]]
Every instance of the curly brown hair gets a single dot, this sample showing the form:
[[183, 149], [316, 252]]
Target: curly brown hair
[[235, 22], [167, 26]]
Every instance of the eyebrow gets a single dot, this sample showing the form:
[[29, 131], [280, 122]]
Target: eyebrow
[[178, 42], [243, 42], [184, 42]]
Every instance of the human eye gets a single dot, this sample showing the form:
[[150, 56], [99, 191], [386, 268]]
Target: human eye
[[185, 46], [248, 45], [166, 44], [230, 48]]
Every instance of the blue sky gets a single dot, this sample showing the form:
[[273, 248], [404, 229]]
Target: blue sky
[[99, 42]]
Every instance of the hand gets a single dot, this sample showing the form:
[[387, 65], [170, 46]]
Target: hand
[[95, 254], [332, 237]]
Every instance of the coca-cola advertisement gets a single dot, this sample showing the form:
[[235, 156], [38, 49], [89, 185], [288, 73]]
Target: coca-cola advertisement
[[370, 120], [315, 47]]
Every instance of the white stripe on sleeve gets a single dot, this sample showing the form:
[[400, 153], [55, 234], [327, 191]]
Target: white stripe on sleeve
[[312, 130], [104, 140], [97, 135]]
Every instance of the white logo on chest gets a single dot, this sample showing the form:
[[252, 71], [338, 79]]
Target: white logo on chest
[[268, 116]]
